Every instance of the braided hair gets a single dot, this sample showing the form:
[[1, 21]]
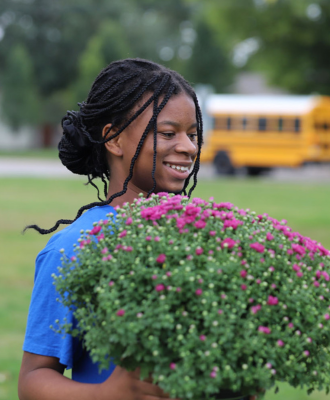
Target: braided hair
[[114, 93]]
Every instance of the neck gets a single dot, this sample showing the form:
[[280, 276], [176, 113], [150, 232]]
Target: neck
[[131, 194]]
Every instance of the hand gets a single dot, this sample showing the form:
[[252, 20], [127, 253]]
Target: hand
[[125, 385]]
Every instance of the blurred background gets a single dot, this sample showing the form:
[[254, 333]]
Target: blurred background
[[261, 69]]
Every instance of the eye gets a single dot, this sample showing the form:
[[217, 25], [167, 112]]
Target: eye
[[167, 134], [192, 136]]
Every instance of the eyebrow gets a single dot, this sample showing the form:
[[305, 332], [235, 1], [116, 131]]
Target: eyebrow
[[175, 124]]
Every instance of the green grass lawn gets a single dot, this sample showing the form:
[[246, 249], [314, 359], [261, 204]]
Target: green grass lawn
[[43, 201]]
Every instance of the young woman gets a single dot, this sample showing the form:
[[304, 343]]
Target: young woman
[[140, 130]]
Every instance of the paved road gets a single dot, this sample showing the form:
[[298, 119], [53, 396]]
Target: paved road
[[21, 167]]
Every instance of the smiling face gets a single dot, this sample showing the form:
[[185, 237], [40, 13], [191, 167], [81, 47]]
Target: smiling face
[[176, 149]]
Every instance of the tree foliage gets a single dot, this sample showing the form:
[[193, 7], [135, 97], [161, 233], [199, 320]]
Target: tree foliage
[[292, 36]]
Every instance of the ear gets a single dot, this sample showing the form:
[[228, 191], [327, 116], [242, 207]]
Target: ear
[[113, 146]]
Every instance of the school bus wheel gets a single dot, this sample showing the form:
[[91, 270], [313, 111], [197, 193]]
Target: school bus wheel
[[223, 164], [256, 171]]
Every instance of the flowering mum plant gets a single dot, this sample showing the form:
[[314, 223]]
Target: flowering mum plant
[[204, 296]]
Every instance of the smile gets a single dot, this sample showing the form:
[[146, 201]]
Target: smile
[[177, 167]]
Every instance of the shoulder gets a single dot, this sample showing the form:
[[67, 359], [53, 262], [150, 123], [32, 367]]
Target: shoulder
[[69, 236]]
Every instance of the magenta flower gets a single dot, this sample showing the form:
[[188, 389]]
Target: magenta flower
[[73, 258], [257, 247], [316, 283], [161, 258], [256, 308], [272, 301], [296, 267], [213, 374], [298, 249], [271, 269], [168, 273], [264, 329], [228, 242], [120, 312], [326, 316], [290, 325], [220, 311], [172, 366], [160, 287], [199, 251], [202, 338], [189, 257], [178, 289], [200, 224], [129, 221], [101, 236], [154, 277], [300, 274], [105, 250], [123, 233], [95, 230], [212, 233], [306, 353], [243, 273], [280, 343], [111, 283], [243, 287], [157, 239], [269, 236], [148, 238], [199, 292]]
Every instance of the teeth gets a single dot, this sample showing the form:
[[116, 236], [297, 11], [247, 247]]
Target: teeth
[[177, 167]]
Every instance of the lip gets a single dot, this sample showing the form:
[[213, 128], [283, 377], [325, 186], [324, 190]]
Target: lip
[[177, 174]]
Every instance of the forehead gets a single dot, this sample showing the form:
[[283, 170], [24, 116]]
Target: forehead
[[179, 108]]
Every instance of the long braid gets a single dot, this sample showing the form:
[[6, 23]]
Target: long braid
[[114, 93]]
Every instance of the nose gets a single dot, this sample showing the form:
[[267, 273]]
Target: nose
[[185, 145]]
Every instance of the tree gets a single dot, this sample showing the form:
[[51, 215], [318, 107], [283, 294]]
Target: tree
[[20, 103], [291, 39]]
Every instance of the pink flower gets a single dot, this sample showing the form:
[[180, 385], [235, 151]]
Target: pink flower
[[290, 252], [264, 329], [128, 248], [172, 365], [256, 308], [243, 287], [154, 277], [101, 236], [251, 300], [273, 286], [160, 287], [257, 247], [280, 343], [269, 236], [272, 301], [243, 262], [168, 273], [234, 223], [200, 224], [161, 258], [326, 316], [243, 273], [258, 281], [213, 374], [300, 274], [228, 242], [157, 239], [298, 249], [306, 353], [290, 325], [271, 269], [220, 311], [111, 283], [73, 258], [189, 257], [129, 221], [326, 275], [148, 238], [104, 251], [105, 258], [199, 251], [269, 365], [212, 233], [95, 230], [199, 292], [296, 267], [120, 312], [202, 338], [123, 233], [178, 289], [316, 283]]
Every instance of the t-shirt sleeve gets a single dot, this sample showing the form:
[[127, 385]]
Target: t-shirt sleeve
[[44, 310]]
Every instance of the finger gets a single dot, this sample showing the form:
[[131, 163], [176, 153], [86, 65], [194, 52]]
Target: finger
[[152, 390]]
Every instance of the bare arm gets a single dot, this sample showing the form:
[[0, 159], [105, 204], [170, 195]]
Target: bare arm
[[41, 378]]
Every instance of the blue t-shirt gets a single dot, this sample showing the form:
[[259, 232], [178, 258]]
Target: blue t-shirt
[[44, 309]]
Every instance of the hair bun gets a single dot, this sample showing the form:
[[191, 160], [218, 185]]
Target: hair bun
[[74, 147]]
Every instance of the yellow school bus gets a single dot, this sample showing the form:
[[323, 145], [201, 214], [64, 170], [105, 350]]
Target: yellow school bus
[[261, 132]]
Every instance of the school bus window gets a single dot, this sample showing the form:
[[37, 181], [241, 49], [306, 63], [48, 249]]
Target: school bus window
[[280, 124], [228, 123], [325, 126], [297, 125], [244, 123], [220, 123], [262, 124]]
